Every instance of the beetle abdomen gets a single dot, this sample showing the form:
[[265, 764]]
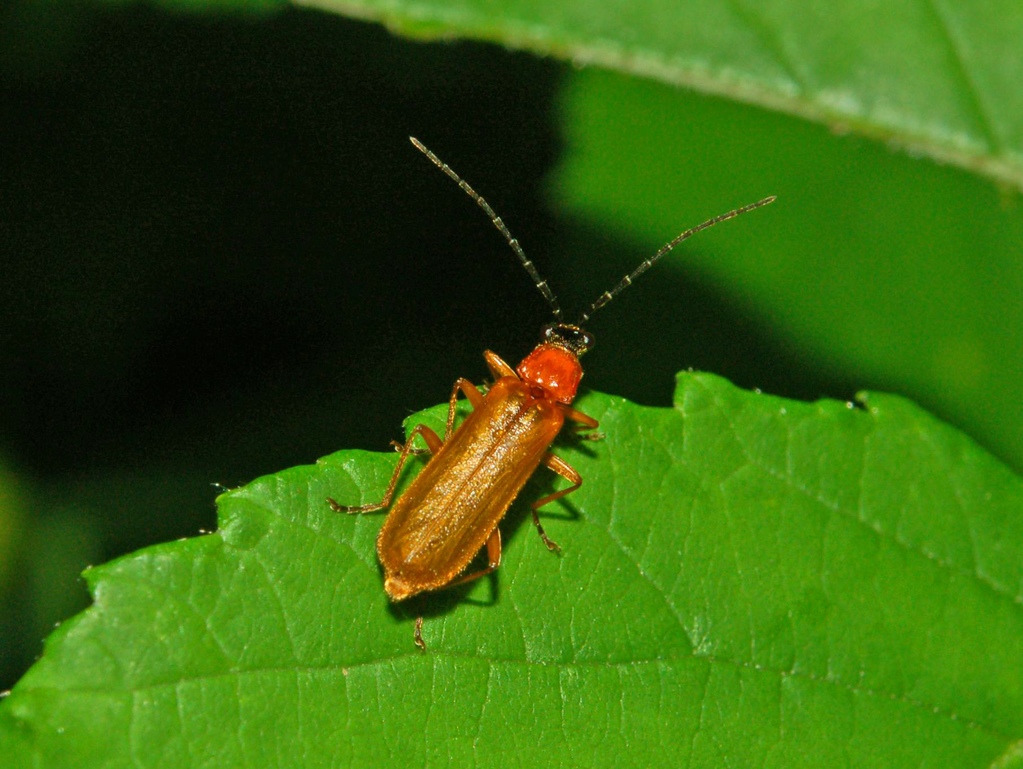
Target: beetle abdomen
[[444, 518]]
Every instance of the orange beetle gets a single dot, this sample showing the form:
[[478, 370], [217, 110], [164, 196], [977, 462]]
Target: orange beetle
[[453, 507]]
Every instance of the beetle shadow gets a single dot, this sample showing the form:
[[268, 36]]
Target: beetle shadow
[[582, 441], [437, 603]]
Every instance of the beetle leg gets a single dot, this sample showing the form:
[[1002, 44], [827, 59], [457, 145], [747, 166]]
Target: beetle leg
[[584, 433], [471, 394], [585, 420], [566, 471], [433, 443], [497, 366], [493, 560], [582, 422], [400, 447]]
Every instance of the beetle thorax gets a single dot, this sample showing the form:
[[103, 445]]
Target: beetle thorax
[[554, 369]]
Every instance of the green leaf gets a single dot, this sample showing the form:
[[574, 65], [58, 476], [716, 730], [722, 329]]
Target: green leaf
[[941, 78], [746, 581]]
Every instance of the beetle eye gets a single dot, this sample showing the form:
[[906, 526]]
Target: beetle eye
[[574, 338]]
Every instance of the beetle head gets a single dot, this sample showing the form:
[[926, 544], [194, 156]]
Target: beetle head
[[569, 336]]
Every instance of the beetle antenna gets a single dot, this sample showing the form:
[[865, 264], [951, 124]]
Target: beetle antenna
[[607, 296], [541, 284]]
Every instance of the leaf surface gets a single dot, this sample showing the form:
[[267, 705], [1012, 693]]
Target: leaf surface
[[745, 581]]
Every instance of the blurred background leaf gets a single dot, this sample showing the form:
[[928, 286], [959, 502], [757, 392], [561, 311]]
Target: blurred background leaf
[[905, 273], [940, 77], [221, 256]]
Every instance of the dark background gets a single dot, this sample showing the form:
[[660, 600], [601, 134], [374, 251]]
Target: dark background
[[222, 257]]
